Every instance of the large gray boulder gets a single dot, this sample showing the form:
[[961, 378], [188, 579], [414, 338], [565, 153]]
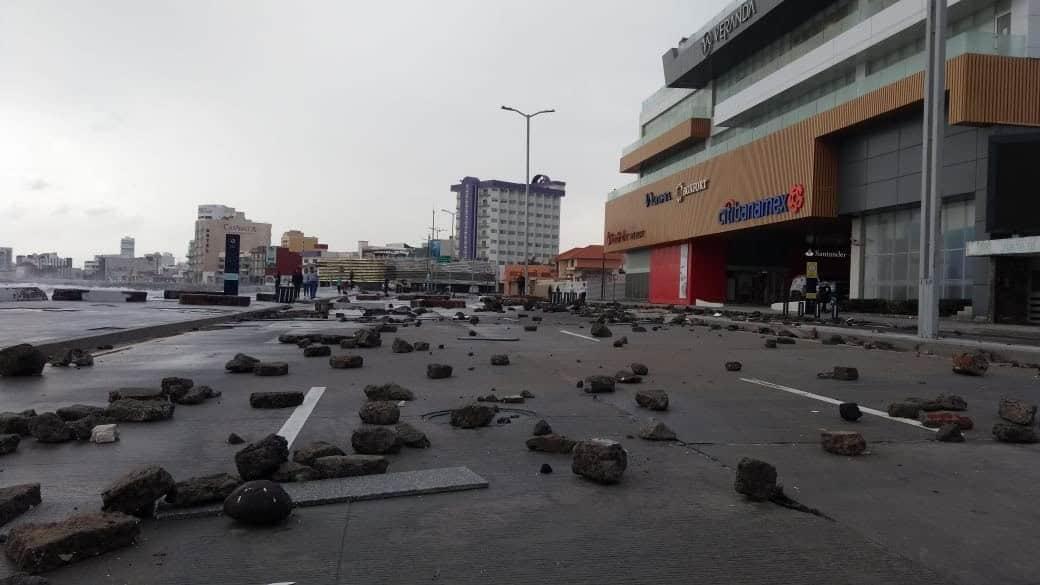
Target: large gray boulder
[[368, 338], [652, 399], [261, 459], [600, 460], [599, 384], [136, 492], [78, 411], [49, 428], [411, 436], [21, 360], [18, 499], [14, 423], [389, 391], [241, 364]]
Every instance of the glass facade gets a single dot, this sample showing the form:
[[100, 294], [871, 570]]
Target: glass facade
[[891, 252]]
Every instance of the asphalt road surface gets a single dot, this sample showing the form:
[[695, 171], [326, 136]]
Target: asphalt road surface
[[910, 511]]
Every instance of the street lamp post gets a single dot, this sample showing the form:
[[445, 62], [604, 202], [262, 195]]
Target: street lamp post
[[931, 165], [452, 214], [527, 189]]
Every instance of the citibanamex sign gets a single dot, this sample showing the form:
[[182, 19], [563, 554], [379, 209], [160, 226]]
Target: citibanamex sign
[[791, 202]]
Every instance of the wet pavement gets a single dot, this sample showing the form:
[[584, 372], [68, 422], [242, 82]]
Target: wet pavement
[[910, 511]]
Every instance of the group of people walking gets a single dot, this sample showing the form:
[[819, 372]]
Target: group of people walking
[[305, 280]]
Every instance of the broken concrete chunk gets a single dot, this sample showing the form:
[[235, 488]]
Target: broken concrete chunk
[[908, 409], [18, 499], [600, 330], [9, 443], [368, 338], [275, 399], [845, 373], [542, 428], [317, 351], [421, 345], [136, 492], [291, 472], [530, 328], [438, 371], [78, 411], [500, 360], [346, 362], [411, 436], [1012, 433], [945, 402], [14, 423], [389, 391], [472, 416], [970, 364], [949, 433], [551, 443], [756, 479], [1015, 411], [21, 360], [598, 384], [102, 434], [627, 377], [49, 428], [657, 431], [271, 369], [175, 387], [137, 394], [379, 412], [261, 459], [350, 465], [259, 502], [41, 547], [375, 440], [652, 399], [843, 442], [127, 410], [401, 346], [937, 418], [198, 491], [600, 460], [639, 369], [241, 364], [308, 453]]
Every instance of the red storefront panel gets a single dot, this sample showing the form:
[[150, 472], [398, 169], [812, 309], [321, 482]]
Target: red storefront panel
[[664, 275], [708, 270]]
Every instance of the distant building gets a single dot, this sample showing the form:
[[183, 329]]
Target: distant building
[[206, 250], [126, 247], [577, 263], [119, 268], [46, 264], [168, 259], [6, 259], [390, 250], [492, 222], [510, 276], [296, 241]]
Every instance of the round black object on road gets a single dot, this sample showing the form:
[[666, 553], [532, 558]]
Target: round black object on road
[[260, 502], [546, 468], [850, 411]]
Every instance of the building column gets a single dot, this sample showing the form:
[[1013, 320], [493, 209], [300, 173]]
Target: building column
[[858, 241], [1025, 22]]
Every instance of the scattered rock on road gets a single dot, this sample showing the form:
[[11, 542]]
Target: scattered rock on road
[[308, 453], [937, 418], [627, 377], [733, 366], [261, 459], [949, 433], [945, 402], [551, 443], [1015, 411], [843, 442], [271, 369], [375, 440], [421, 345], [41, 547], [346, 362], [512, 399], [275, 399], [598, 384], [401, 346], [906, 409], [500, 360], [78, 411], [136, 492], [770, 344], [291, 471], [833, 340], [259, 502], [600, 460], [438, 371], [174, 388], [600, 330], [389, 391], [844, 373], [129, 410], [849, 411], [652, 399], [379, 412], [756, 479], [655, 430], [1012, 433], [620, 342], [639, 369], [530, 328], [9, 443], [80, 358], [202, 490], [472, 416], [541, 428], [970, 364], [197, 395], [21, 360], [137, 394], [18, 499], [49, 428], [241, 364], [317, 351], [368, 338], [103, 434], [333, 466], [14, 423], [411, 436], [545, 469], [235, 439]]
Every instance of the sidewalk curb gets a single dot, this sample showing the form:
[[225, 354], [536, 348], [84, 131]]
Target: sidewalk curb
[[139, 334]]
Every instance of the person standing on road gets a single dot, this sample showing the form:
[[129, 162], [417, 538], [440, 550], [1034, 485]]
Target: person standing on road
[[297, 283]]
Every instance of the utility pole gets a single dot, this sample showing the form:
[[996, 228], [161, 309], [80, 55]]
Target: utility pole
[[527, 190], [933, 130]]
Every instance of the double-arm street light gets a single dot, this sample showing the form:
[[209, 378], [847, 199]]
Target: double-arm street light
[[452, 214], [527, 188]]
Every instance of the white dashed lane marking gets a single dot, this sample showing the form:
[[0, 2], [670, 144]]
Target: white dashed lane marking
[[299, 417], [579, 335]]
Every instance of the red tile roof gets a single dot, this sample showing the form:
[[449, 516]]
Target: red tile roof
[[593, 252]]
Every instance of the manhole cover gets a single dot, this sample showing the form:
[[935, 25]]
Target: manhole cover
[[514, 413]]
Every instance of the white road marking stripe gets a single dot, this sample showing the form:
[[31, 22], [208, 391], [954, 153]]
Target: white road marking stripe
[[829, 400], [579, 335], [292, 427]]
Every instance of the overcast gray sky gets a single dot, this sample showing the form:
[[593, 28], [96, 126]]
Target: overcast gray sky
[[348, 120]]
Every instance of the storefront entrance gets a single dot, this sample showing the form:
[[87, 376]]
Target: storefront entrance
[[1017, 290], [756, 285]]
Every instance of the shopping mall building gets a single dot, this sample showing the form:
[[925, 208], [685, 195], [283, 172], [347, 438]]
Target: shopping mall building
[[790, 131]]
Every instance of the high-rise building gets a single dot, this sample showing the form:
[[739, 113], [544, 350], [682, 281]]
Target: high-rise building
[[786, 145], [206, 250], [296, 241], [491, 220], [6, 259], [126, 247]]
